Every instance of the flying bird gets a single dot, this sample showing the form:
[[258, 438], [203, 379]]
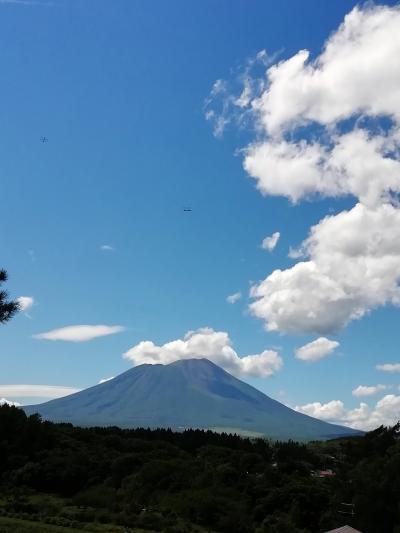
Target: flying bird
[[44, 139], [187, 209]]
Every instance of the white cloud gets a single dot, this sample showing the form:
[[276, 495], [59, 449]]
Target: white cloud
[[357, 163], [4, 401], [40, 391], [356, 76], [357, 72], [270, 242], [219, 120], [389, 367], [233, 298], [353, 266], [25, 302], [333, 410], [295, 253], [207, 343], [386, 412], [80, 333], [107, 248], [105, 379], [351, 261], [365, 390], [316, 350], [222, 107]]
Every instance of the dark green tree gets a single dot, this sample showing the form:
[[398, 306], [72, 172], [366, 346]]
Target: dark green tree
[[8, 308]]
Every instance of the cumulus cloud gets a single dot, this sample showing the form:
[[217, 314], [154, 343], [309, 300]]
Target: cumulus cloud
[[333, 410], [357, 163], [233, 298], [4, 401], [386, 412], [270, 242], [389, 367], [352, 266], [40, 391], [365, 390], [80, 333], [207, 343], [330, 127], [316, 350], [357, 72]]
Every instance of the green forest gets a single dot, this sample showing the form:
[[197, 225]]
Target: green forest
[[57, 477]]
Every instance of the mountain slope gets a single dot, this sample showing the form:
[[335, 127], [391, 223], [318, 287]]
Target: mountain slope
[[188, 393]]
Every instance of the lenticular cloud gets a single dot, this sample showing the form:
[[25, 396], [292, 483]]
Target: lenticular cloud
[[330, 127]]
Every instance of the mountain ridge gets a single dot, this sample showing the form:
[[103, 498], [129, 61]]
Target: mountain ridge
[[194, 393]]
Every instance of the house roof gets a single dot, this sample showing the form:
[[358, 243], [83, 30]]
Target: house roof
[[344, 529]]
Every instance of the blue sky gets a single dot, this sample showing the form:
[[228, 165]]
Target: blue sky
[[119, 89]]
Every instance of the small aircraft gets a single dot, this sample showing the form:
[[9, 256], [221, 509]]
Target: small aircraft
[[44, 139]]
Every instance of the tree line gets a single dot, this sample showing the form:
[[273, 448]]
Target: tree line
[[195, 480]]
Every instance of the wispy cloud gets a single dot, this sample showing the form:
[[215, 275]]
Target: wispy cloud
[[79, 333], [25, 303], [270, 242], [39, 391], [365, 390], [389, 367], [229, 101], [233, 298], [105, 379], [107, 248]]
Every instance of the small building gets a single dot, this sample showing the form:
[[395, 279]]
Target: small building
[[323, 473]]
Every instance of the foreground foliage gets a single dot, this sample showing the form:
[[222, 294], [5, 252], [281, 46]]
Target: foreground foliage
[[8, 308], [108, 479]]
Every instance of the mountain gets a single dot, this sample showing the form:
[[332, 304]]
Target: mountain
[[192, 393]]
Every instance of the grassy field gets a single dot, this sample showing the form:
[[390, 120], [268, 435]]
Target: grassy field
[[15, 525]]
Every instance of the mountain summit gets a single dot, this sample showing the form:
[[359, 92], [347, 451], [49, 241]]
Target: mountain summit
[[193, 393]]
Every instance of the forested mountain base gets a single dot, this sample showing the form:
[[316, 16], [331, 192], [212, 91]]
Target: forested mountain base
[[56, 477]]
